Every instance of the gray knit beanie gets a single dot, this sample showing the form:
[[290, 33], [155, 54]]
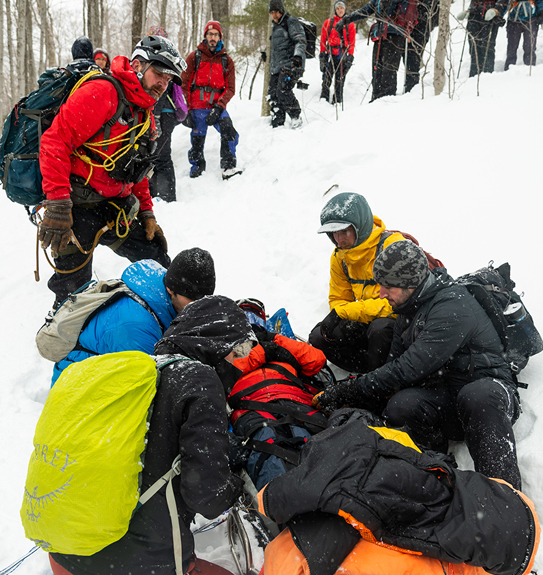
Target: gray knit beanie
[[401, 265]]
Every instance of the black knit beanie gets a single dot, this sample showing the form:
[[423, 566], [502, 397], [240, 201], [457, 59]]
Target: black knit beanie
[[191, 274], [277, 5], [401, 265]]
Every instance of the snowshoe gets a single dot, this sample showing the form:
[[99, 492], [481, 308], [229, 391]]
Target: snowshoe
[[227, 174]]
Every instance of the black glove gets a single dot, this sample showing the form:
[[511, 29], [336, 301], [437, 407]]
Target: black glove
[[297, 70], [499, 20], [189, 121], [263, 56], [323, 60], [214, 115], [343, 393], [347, 62], [239, 454], [341, 24], [56, 226], [329, 324], [275, 352], [262, 334]]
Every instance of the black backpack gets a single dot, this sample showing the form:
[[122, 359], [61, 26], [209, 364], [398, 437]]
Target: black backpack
[[493, 288], [310, 30], [29, 119]]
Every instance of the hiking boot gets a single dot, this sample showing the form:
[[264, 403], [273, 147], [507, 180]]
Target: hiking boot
[[296, 123], [197, 171], [229, 172]]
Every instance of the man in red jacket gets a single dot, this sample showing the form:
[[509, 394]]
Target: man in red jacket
[[209, 83], [95, 159], [336, 56]]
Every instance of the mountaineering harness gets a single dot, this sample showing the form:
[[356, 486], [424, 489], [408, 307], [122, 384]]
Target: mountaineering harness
[[132, 162], [208, 89]]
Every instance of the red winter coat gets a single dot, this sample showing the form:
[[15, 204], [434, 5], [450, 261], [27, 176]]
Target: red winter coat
[[78, 120], [311, 361], [330, 38], [210, 74]]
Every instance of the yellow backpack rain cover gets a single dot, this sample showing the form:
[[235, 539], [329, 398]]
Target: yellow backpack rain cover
[[83, 479]]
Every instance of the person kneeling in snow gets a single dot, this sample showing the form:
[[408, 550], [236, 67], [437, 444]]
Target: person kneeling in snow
[[188, 419], [366, 501]]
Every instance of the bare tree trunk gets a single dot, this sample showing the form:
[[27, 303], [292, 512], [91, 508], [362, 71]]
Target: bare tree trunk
[[163, 10], [194, 4], [137, 21], [3, 107], [30, 66], [441, 46], [21, 45], [265, 111], [219, 10], [46, 45]]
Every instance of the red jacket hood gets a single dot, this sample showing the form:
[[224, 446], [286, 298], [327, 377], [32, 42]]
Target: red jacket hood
[[121, 69]]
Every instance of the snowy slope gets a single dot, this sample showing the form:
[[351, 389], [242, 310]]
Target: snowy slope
[[460, 175]]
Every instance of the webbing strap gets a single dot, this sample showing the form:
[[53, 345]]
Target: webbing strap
[[275, 408], [166, 479], [274, 449]]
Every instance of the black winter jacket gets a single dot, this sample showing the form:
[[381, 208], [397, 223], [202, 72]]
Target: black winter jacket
[[405, 498], [188, 418], [441, 336], [287, 40]]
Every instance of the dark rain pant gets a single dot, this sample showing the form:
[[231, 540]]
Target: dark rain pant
[[527, 29], [87, 222], [481, 413], [482, 44], [357, 347], [282, 99], [387, 55], [162, 184], [335, 65], [415, 51], [229, 141]]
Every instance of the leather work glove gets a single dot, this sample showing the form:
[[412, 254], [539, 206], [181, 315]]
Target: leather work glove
[[152, 230], [297, 70], [336, 395], [56, 226], [323, 60], [329, 324], [189, 121], [463, 15], [214, 115]]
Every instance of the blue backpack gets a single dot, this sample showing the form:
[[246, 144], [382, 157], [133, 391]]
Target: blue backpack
[[31, 116]]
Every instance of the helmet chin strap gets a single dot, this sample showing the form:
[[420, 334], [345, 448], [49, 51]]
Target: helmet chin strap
[[140, 74]]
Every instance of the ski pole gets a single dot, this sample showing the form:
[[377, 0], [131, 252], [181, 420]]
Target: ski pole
[[405, 64], [462, 53]]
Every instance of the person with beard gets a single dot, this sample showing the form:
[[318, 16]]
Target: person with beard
[[98, 192], [188, 419], [446, 376], [209, 83]]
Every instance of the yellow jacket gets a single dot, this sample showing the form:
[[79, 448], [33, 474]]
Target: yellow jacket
[[349, 295]]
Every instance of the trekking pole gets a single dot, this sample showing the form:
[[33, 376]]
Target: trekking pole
[[487, 46], [405, 64], [18, 563], [462, 53]]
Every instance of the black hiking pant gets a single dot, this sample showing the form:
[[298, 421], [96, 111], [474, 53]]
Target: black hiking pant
[[162, 184], [527, 29], [387, 55], [482, 44], [282, 99], [87, 221], [481, 413], [335, 70], [357, 347]]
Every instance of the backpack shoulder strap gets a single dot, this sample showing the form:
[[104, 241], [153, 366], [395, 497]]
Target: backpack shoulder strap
[[197, 60]]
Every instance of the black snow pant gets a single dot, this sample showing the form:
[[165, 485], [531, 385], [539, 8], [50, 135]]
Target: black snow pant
[[282, 99], [87, 221], [357, 347], [162, 184], [387, 55], [481, 413], [528, 30], [482, 44], [415, 51], [335, 70]]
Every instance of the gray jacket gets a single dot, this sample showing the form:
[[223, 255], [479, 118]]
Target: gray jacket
[[287, 40]]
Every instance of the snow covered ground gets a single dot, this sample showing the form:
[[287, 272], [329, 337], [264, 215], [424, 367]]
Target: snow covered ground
[[459, 174]]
